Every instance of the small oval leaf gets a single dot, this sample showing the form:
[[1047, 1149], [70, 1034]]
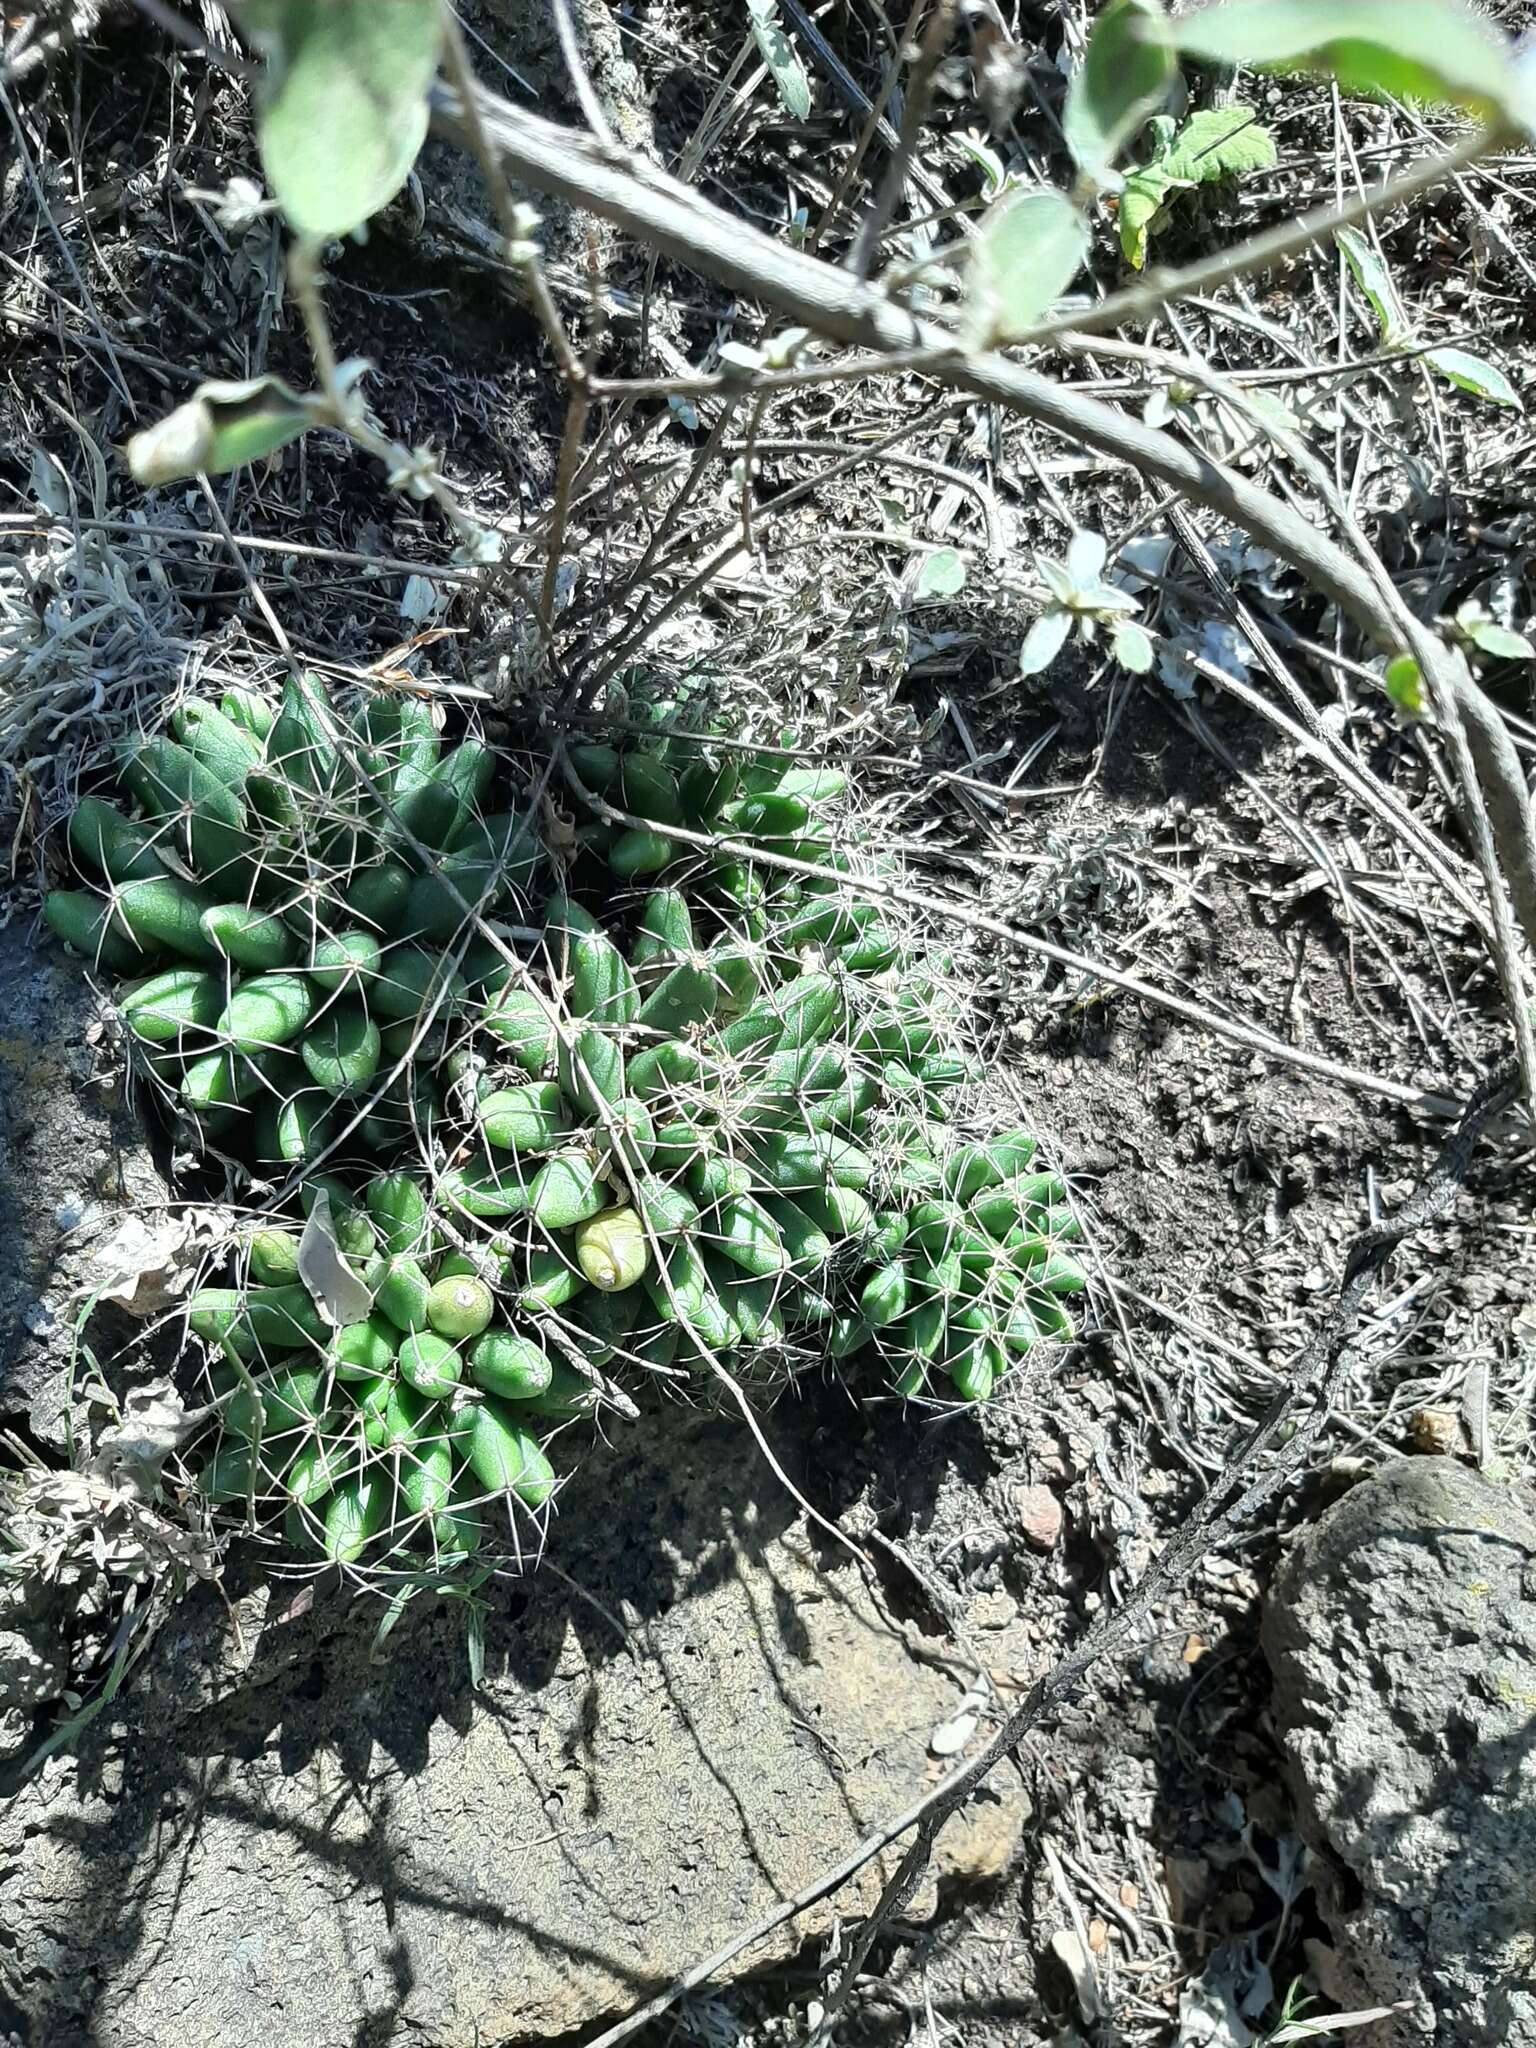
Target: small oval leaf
[[1219, 142], [1141, 203], [1031, 246], [1405, 684], [1133, 647], [1474, 374], [342, 109], [1044, 641], [780, 55], [1375, 280], [942, 574], [1125, 73], [1428, 50]]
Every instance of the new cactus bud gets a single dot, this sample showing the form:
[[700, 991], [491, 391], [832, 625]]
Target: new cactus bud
[[611, 1249]]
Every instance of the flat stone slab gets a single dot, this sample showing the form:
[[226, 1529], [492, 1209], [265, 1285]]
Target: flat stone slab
[[1402, 1635], [283, 1841]]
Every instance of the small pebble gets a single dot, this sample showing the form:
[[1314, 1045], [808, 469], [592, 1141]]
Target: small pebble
[[1038, 1514]]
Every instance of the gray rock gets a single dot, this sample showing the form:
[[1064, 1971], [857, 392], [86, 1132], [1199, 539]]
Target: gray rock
[[72, 1159], [33, 1666], [1402, 1636], [281, 1839]]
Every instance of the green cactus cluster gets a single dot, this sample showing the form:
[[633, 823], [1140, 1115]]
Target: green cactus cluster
[[717, 1130]]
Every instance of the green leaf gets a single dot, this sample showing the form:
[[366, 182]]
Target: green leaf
[[342, 109], [1141, 211], [1032, 244], [993, 171], [221, 427], [1500, 643], [1405, 685], [781, 57], [1472, 373], [1220, 142], [1412, 49], [942, 574], [1133, 647], [1125, 73], [1044, 641], [1375, 280]]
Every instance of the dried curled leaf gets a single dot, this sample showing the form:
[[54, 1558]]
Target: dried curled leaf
[[221, 427], [336, 1290]]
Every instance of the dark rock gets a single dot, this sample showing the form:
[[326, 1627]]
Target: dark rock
[[1402, 1636]]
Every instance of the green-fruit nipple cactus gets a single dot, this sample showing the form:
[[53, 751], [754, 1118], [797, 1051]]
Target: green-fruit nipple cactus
[[712, 1131]]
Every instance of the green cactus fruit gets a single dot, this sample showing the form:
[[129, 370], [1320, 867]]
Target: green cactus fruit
[[233, 1474], [976, 1370], [747, 1235], [565, 1191], [975, 1167], [602, 988], [706, 786], [663, 931], [364, 1351], [300, 751], [88, 926], [251, 713], [274, 1258], [885, 1296], [660, 1069], [412, 981], [426, 1477], [178, 791], [683, 998], [220, 1080], [267, 1010], [366, 1408], [636, 852], [484, 1189], [401, 1290], [552, 1280], [282, 1403], [258, 939], [378, 896], [597, 765], [682, 1292], [316, 1470], [354, 1515], [592, 1070], [398, 1205], [527, 1118], [459, 1307]]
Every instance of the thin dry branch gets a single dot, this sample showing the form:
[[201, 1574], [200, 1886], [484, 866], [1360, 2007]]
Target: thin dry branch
[[668, 217]]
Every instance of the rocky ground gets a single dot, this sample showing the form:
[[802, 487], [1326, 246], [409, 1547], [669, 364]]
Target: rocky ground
[[1315, 1763]]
